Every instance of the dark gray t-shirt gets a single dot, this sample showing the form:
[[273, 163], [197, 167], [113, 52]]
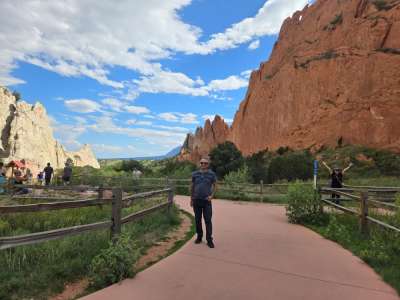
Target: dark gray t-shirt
[[202, 184]]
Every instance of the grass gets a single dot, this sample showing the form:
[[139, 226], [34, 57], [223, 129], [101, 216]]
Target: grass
[[36, 271], [380, 250]]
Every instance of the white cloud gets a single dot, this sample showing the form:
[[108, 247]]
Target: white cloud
[[82, 105], [227, 84], [137, 110], [254, 45], [105, 124], [188, 118], [267, 22], [169, 117], [144, 123], [169, 82], [113, 104], [61, 36], [185, 118], [104, 149]]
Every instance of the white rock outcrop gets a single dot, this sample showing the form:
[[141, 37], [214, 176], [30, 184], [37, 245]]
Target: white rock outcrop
[[26, 134]]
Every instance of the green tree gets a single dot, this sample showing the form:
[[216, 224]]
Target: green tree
[[225, 158], [258, 166], [291, 166], [129, 166]]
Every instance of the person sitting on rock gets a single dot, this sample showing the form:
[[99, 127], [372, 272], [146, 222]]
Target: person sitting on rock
[[19, 179], [48, 173], [336, 179]]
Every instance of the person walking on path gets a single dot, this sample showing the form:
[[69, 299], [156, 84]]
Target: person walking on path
[[202, 192], [48, 173], [67, 174], [336, 179]]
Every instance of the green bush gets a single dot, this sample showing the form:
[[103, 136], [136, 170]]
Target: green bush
[[114, 263], [258, 166], [337, 231], [291, 166], [303, 205], [225, 158], [239, 176]]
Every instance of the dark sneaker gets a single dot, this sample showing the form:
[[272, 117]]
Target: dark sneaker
[[210, 244], [197, 241]]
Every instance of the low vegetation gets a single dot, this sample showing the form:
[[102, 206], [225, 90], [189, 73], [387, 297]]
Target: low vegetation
[[379, 249], [36, 271]]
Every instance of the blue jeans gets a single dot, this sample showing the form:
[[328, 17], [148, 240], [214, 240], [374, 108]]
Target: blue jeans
[[206, 211]]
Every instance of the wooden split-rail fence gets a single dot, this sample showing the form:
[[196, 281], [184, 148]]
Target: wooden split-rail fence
[[117, 202], [367, 196]]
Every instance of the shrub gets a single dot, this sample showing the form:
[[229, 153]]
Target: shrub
[[291, 166], [114, 263], [337, 231], [225, 158], [258, 166], [303, 205], [239, 176]]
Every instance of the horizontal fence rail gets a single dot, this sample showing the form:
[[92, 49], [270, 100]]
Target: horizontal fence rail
[[364, 200], [117, 202]]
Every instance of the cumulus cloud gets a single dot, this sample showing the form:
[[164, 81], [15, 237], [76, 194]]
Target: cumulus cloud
[[267, 22], [227, 84], [185, 118], [82, 105], [61, 36], [254, 45], [137, 110]]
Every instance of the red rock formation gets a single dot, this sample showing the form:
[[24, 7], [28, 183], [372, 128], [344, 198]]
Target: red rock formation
[[204, 139], [334, 74]]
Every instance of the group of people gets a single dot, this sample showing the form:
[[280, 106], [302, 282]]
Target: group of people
[[203, 189], [21, 174]]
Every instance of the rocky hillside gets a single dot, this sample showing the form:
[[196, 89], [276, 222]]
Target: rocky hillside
[[333, 77], [26, 134]]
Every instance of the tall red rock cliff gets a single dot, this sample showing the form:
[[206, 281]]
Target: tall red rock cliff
[[334, 74]]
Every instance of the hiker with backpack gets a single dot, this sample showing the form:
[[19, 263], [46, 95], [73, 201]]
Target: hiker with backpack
[[336, 175]]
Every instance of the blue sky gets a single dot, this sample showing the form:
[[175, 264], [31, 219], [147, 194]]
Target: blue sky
[[132, 77]]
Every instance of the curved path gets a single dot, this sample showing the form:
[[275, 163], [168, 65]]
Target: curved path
[[258, 255]]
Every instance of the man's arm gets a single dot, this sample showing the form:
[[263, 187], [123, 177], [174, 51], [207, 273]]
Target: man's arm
[[326, 166], [213, 190], [348, 168], [191, 193]]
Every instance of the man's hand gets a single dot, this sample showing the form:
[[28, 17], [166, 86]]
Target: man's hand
[[191, 202], [209, 198]]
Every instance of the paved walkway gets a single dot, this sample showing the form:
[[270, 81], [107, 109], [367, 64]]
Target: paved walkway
[[258, 255]]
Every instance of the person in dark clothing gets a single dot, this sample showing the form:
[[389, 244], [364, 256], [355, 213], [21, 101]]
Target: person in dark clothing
[[67, 173], [202, 192], [48, 173], [336, 179]]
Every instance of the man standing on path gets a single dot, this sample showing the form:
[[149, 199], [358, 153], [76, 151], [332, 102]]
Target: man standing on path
[[202, 191], [48, 172]]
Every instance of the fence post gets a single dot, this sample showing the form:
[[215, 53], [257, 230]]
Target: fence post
[[364, 213], [261, 190], [170, 199], [100, 192], [116, 214]]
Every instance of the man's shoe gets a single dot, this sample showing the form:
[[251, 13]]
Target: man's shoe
[[197, 241], [210, 244]]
